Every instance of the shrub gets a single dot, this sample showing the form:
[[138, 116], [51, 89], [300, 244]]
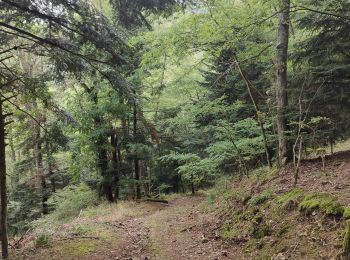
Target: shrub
[[68, 203]]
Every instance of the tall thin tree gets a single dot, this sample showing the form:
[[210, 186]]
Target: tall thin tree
[[3, 192], [281, 81]]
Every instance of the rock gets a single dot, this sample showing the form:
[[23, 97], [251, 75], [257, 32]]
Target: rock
[[224, 253]]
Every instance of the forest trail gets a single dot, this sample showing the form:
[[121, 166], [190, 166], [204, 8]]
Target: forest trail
[[147, 231], [173, 231]]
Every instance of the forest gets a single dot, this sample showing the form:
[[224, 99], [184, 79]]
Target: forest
[[175, 129]]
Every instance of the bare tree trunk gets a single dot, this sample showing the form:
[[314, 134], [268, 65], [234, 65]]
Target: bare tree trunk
[[281, 81], [3, 191], [14, 173], [51, 165], [40, 170], [115, 165], [136, 160], [193, 190], [332, 146], [297, 166]]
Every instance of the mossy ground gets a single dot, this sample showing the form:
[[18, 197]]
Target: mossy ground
[[75, 248], [270, 220], [323, 202]]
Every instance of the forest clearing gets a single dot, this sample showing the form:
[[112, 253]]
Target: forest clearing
[[175, 129]]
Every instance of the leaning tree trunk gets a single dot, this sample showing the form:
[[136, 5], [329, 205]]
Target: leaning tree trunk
[[3, 191], [257, 111], [281, 81]]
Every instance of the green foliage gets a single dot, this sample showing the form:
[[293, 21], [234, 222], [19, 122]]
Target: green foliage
[[323, 202], [292, 195], [261, 198], [191, 167], [70, 201], [346, 213]]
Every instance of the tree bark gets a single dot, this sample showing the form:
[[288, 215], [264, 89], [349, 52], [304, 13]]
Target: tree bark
[[51, 165], [281, 82], [3, 191], [115, 165], [136, 160], [14, 175], [102, 155], [40, 170]]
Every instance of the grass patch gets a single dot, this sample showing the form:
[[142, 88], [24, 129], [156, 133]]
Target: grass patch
[[323, 202], [76, 248], [346, 213]]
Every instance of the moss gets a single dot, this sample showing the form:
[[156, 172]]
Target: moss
[[230, 232], [323, 202], [77, 248], [291, 195], [346, 240], [346, 213], [261, 198]]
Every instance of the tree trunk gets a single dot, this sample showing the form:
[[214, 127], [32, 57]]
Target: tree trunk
[[102, 156], [115, 165], [136, 160], [40, 170], [3, 191], [14, 173], [51, 165], [193, 190], [281, 81]]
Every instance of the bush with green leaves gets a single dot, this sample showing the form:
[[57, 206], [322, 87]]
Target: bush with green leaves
[[69, 202], [191, 167]]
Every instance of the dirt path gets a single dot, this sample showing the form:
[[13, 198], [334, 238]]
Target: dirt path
[[173, 231], [177, 230]]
